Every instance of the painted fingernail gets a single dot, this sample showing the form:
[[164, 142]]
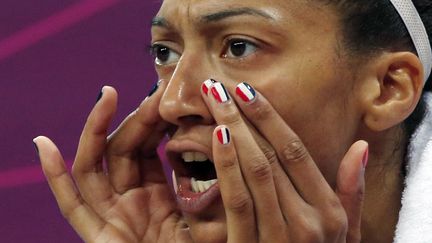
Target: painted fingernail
[[245, 92], [223, 135], [154, 89], [365, 159], [219, 93], [99, 96], [36, 147], [174, 180], [207, 85]]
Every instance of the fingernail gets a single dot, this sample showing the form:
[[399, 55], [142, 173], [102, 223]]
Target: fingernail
[[99, 96], [36, 147], [154, 89], [174, 180], [245, 92], [365, 158], [223, 135], [219, 93], [207, 85]]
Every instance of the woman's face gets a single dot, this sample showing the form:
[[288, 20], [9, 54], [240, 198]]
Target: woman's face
[[290, 51]]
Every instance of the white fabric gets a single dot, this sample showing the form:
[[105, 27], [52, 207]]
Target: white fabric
[[417, 30], [415, 217]]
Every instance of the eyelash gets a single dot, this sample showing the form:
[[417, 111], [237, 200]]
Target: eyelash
[[227, 44], [154, 48]]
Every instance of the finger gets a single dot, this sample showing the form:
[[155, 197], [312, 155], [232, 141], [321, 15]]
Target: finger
[[136, 138], [235, 194], [289, 200], [292, 154], [85, 221], [87, 170], [139, 125], [255, 167], [351, 185]]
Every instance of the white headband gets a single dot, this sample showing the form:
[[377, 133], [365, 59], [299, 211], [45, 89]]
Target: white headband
[[417, 30]]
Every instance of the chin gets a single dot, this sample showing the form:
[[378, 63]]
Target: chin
[[208, 226]]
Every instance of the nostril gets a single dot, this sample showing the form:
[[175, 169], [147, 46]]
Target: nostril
[[171, 131], [190, 119]]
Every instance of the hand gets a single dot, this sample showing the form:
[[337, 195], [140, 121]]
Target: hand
[[131, 201], [279, 194]]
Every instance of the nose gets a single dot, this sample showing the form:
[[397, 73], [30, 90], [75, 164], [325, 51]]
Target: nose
[[181, 103]]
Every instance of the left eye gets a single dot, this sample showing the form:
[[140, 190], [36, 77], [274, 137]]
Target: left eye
[[239, 49], [164, 55]]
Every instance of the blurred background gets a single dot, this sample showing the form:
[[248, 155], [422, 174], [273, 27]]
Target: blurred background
[[55, 55]]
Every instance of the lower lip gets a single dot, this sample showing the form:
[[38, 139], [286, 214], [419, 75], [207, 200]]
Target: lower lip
[[192, 202]]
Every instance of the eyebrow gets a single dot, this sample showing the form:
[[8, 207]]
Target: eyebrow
[[218, 16], [160, 22]]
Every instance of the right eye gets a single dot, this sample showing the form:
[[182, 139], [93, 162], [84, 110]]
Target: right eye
[[164, 55]]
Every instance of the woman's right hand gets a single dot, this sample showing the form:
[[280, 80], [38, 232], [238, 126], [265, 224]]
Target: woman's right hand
[[130, 200]]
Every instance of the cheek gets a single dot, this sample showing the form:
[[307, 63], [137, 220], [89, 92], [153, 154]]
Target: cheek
[[319, 114]]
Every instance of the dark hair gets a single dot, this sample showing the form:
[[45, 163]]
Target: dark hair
[[371, 26]]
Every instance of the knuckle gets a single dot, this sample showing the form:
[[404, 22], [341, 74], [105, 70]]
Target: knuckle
[[317, 227], [333, 204], [231, 116], [227, 163], [335, 220], [260, 170], [270, 154], [293, 152], [308, 232], [336, 225], [240, 203], [261, 112]]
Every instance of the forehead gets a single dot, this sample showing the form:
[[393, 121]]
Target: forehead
[[301, 11]]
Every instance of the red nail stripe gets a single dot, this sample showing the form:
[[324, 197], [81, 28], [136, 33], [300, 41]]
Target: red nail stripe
[[365, 158], [206, 85], [245, 92], [223, 135], [219, 93]]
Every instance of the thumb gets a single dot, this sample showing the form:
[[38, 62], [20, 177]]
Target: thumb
[[350, 187]]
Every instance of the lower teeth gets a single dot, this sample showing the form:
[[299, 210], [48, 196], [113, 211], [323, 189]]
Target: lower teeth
[[201, 186]]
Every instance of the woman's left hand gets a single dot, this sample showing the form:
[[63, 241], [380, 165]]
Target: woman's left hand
[[271, 188]]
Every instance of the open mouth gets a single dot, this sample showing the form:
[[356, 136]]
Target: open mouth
[[194, 177], [200, 169], [197, 168]]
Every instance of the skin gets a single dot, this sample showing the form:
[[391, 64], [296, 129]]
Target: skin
[[313, 90]]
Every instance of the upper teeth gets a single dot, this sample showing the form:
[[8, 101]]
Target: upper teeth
[[194, 157]]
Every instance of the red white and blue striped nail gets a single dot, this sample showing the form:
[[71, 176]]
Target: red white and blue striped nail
[[245, 92], [207, 85], [223, 135], [219, 93]]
